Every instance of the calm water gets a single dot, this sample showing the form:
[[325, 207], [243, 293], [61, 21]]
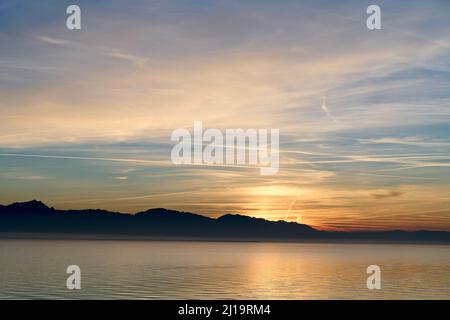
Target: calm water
[[200, 270]]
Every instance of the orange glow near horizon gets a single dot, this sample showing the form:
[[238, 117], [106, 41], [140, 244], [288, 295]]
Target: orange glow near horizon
[[86, 117]]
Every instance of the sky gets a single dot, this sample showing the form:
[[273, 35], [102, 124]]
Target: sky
[[86, 115]]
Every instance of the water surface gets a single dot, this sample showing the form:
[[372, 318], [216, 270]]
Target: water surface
[[31, 269]]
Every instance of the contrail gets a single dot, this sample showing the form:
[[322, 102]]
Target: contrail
[[168, 164], [325, 109], [288, 213], [153, 162], [82, 158]]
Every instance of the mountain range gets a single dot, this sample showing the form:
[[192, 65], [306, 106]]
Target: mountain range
[[35, 219]]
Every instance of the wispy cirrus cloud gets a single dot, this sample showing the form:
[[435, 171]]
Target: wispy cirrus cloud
[[101, 50], [82, 107]]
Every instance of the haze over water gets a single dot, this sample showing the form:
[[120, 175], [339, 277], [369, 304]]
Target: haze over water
[[32, 269]]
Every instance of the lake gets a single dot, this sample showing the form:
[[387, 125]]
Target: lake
[[36, 269]]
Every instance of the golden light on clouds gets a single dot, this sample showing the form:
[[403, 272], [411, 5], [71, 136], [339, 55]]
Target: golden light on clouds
[[94, 112]]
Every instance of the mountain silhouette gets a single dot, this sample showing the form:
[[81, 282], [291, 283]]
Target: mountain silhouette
[[34, 218], [31, 205]]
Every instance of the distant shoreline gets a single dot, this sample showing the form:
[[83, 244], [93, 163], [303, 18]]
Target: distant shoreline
[[35, 220], [88, 237]]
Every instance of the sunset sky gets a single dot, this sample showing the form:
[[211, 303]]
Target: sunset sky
[[364, 116]]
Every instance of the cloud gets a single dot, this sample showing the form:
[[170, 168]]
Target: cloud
[[415, 141], [389, 194], [94, 99], [55, 41], [101, 50]]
